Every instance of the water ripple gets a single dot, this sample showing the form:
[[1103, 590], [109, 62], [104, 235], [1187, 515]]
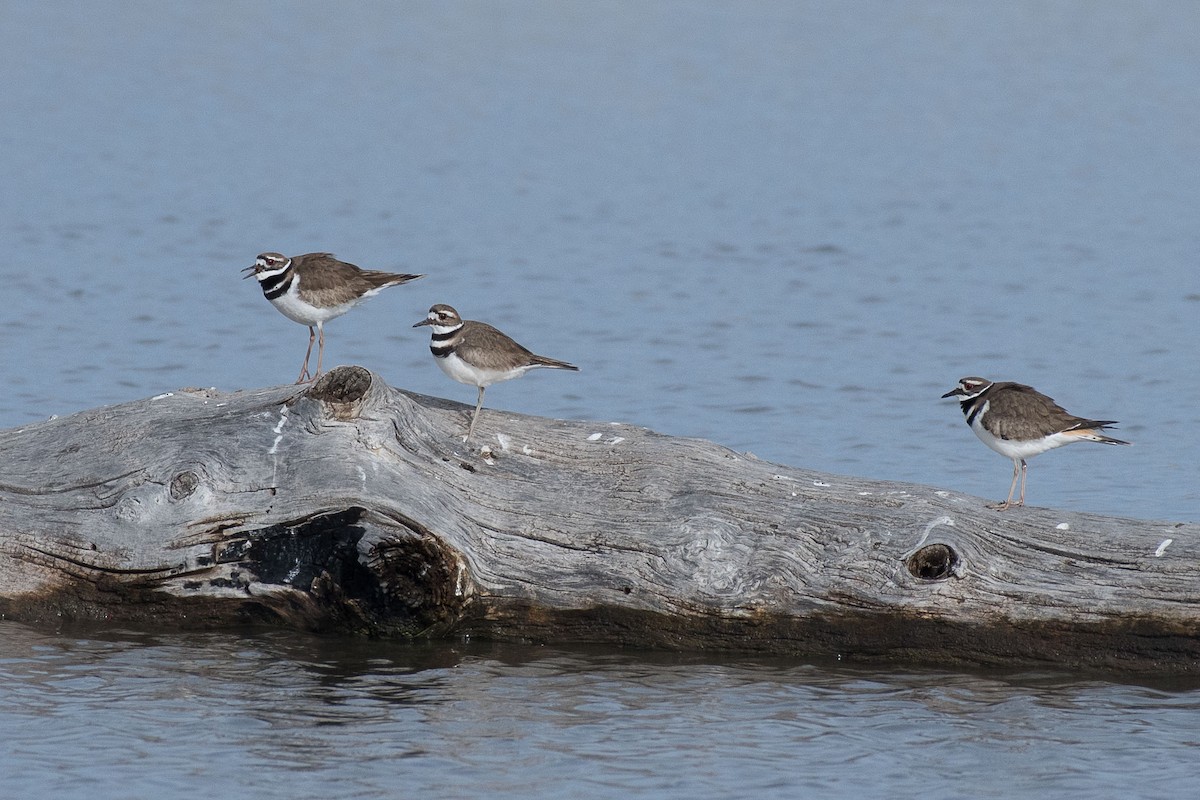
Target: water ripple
[[83, 713]]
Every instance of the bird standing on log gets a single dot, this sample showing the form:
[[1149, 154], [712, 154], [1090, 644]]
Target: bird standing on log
[[314, 288], [1018, 422], [475, 353]]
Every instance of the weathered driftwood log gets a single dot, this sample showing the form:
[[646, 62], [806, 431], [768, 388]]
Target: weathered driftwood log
[[352, 506]]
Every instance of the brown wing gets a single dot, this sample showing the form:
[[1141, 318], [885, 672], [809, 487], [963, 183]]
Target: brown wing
[[1017, 411], [489, 348], [322, 275]]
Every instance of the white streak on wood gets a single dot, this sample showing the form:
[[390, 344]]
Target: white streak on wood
[[595, 437], [1063, 526], [278, 430], [1162, 547], [459, 588], [163, 396]]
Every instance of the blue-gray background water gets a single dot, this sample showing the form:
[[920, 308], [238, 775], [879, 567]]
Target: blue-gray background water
[[787, 228]]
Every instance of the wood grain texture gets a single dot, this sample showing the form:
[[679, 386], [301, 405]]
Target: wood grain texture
[[351, 506]]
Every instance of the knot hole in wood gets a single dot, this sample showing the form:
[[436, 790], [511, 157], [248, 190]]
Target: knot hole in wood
[[934, 562], [183, 484], [343, 390]]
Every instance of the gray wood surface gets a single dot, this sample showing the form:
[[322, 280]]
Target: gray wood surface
[[351, 506]]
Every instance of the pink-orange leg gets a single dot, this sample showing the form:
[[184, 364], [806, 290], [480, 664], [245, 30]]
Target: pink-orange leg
[[312, 337], [320, 349], [1020, 470], [475, 416]]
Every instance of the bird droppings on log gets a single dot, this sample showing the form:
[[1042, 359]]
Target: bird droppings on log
[[353, 507]]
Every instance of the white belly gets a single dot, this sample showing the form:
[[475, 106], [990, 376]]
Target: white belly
[[292, 307], [463, 372], [1015, 449]]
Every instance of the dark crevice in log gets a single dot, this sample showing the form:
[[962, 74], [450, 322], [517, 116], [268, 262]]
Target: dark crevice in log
[[214, 530], [76, 487], [92, 568], [424, 586], [934, 562], [294, 553], [24, 490], [406, 584]]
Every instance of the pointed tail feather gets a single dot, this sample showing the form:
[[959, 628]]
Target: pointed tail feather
[[384, 280], [1099, 437], [542, 361], [1090, 430]]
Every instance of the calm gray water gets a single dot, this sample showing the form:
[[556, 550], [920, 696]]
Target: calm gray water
[[785, 227], [124, 714]]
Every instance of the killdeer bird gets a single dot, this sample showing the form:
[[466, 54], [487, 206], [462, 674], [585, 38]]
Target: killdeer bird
[[1018, 422], [314, 288], [477, 354]]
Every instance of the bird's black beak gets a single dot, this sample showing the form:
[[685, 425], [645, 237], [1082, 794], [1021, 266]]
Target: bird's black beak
[[426, 321], [250, 270], [955, 392]]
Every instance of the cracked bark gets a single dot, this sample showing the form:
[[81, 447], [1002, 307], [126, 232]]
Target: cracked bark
[[351, 506]]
